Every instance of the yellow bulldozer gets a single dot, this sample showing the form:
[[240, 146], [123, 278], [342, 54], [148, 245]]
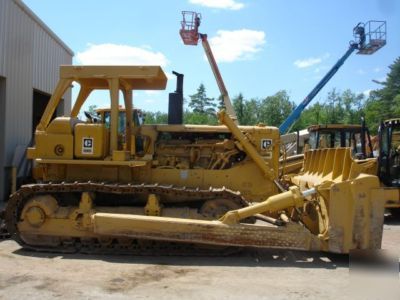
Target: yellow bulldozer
[[173, 188]]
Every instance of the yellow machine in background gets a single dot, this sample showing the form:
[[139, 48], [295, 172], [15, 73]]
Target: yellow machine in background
[[166, 188], [389, 158], [378, 155], [323, 136]]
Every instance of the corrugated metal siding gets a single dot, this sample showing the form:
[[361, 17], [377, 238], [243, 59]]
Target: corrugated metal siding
[[3, 29], [30, 56], [18, 71], [48, 56]]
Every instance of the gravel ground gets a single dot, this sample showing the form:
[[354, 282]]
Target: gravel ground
[[252, 274]]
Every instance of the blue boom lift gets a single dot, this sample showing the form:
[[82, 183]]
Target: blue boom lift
[[369, 37]]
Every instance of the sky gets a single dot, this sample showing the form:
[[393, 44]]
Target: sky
[[261, 47]]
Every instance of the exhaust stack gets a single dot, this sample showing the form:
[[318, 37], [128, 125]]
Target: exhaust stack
[[175, 105]]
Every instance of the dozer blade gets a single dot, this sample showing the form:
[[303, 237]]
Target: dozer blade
[[291, 236], [353, 220], [228, 231]]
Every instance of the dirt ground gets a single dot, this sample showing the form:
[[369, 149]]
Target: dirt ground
[[252, 274]]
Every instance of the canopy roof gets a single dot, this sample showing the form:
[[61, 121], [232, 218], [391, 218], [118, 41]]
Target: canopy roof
[[130, 77]]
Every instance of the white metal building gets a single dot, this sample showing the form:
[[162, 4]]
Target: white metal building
[[30, 56]]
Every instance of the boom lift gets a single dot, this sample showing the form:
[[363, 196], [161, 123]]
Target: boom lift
[[190, 36], [369, 38]]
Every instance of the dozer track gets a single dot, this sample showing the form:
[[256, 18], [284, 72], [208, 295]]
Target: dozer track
[[98, 245]]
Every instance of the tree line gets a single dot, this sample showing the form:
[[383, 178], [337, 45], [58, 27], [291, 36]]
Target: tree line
[[339, 107]]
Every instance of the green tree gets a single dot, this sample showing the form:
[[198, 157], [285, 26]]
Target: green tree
[[334, 107], [92, 109], [247, 111], [384, 103], [200, 103], [238, 106], [221, 103], [155, 117], [353, 107], [387, 95], [372, 114], [315, 114], [191, 117], [397, 106], [275, 109], [339, 108], [251, 112]]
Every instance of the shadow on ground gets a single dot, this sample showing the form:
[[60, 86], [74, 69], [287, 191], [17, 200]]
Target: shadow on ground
[[244, 258], [392, 219]]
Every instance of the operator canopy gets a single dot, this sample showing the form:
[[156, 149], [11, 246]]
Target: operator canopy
[[130, 77]]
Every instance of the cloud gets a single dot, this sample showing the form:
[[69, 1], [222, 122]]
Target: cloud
[[223, 4], [377, 69], [113, 54], [311, 61], [361, 72], [367, 92], [229, 46], [305, 63]]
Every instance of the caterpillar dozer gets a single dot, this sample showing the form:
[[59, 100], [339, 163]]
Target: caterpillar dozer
[[173, 188]]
